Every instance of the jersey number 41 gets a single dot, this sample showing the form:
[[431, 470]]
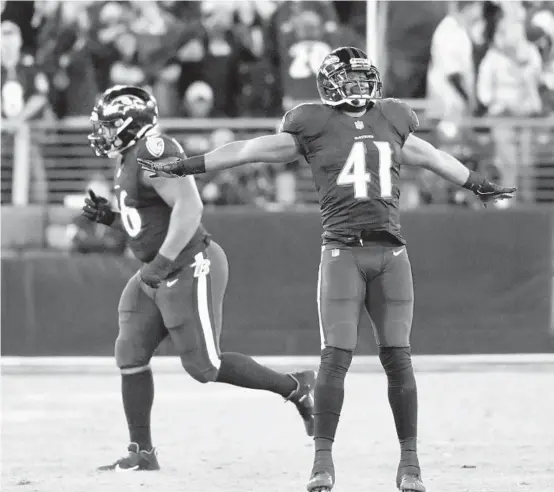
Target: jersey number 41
[[354, 172]]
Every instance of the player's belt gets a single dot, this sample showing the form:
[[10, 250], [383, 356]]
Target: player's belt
[[364, 238]]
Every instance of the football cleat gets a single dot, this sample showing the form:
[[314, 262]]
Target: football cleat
[[303, 399], [410, 483], [137, 460], [320, 482]]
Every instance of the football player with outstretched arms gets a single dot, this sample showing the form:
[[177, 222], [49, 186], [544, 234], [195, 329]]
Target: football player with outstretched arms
[[354, 143], [179, 289]]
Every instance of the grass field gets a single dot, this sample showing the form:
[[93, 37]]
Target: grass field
[[484, 428]]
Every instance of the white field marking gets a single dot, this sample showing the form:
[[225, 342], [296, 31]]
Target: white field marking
[[173, 364]]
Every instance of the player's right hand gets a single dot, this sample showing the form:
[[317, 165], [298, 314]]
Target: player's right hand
[[98, 209], [167, 167]]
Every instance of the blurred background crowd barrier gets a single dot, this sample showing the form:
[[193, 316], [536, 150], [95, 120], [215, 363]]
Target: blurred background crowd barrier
[[480, 76]]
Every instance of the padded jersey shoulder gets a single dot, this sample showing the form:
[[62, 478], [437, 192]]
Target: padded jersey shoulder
[[399, 115], [306, 118], [305, 123], [157, 146]]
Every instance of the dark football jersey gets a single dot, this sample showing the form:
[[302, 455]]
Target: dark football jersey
[[144, 214], [355, 163]]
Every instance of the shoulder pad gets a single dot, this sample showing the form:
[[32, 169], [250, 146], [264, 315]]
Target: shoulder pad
[[400, 115], [308, 117], [158, 145]]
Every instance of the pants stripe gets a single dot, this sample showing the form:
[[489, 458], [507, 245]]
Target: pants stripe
[[204, 313], [319, 313]]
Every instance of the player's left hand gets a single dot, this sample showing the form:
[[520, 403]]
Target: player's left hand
[[153, 273], [98, 209], [489, 192], [161, 168]]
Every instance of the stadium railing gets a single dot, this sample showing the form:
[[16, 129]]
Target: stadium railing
[[69, 162]]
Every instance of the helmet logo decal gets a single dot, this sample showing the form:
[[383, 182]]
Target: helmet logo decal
[[155, 145], [360, 64]]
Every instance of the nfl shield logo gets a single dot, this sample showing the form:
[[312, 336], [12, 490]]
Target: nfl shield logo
[[155, 146], [359, 125]]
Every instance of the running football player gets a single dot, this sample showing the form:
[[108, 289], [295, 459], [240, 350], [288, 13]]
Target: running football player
[[354, 143], [178, 291]]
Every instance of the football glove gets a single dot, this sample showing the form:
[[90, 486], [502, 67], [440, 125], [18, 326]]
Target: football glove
[[486, 191], [98, 209], [153, 273], [174, 167], [162, 168]]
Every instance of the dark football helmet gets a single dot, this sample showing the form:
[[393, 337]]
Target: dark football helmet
[[123, 114], [347, 76]]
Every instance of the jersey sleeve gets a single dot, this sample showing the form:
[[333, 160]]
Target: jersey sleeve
[[401, 116], [159, 146], [304, 123]]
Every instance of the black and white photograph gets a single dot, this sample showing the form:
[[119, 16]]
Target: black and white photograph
[[277, 245]]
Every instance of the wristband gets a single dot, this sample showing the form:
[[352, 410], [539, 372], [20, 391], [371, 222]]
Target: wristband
[[162, 263], [195, 165], [115, 218]]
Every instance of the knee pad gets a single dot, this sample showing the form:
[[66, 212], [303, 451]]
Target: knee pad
[[397, 363], [198, 369], [129, 355], [334, 365]]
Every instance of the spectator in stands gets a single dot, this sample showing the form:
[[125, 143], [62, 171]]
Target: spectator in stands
[[108, 20], [256, 79], [127, 70], [63, 49], [21, 14], [24, 91], [158, 33], [509, 75], [451, 74], [410, 28], [214, 55], [301, 34], [540, 30], [508, 86], [198, 101]]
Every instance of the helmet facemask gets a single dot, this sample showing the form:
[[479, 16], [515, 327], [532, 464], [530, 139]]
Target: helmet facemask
[[104, 138], [356, 87], [355, 82]]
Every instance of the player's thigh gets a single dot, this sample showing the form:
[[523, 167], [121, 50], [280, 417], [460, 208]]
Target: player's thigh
[[141, 327], [192, 305], [341, 290], [390, 301]]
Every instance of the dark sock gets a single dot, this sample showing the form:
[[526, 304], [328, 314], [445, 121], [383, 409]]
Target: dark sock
[[328, 399], [402, 392], [241, 370], [137, 391]]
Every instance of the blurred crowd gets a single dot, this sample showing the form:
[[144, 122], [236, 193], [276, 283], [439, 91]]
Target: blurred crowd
[[242, 58], [219, 59]]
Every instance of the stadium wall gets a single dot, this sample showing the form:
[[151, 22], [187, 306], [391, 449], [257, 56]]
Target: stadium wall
[[484, 284]]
